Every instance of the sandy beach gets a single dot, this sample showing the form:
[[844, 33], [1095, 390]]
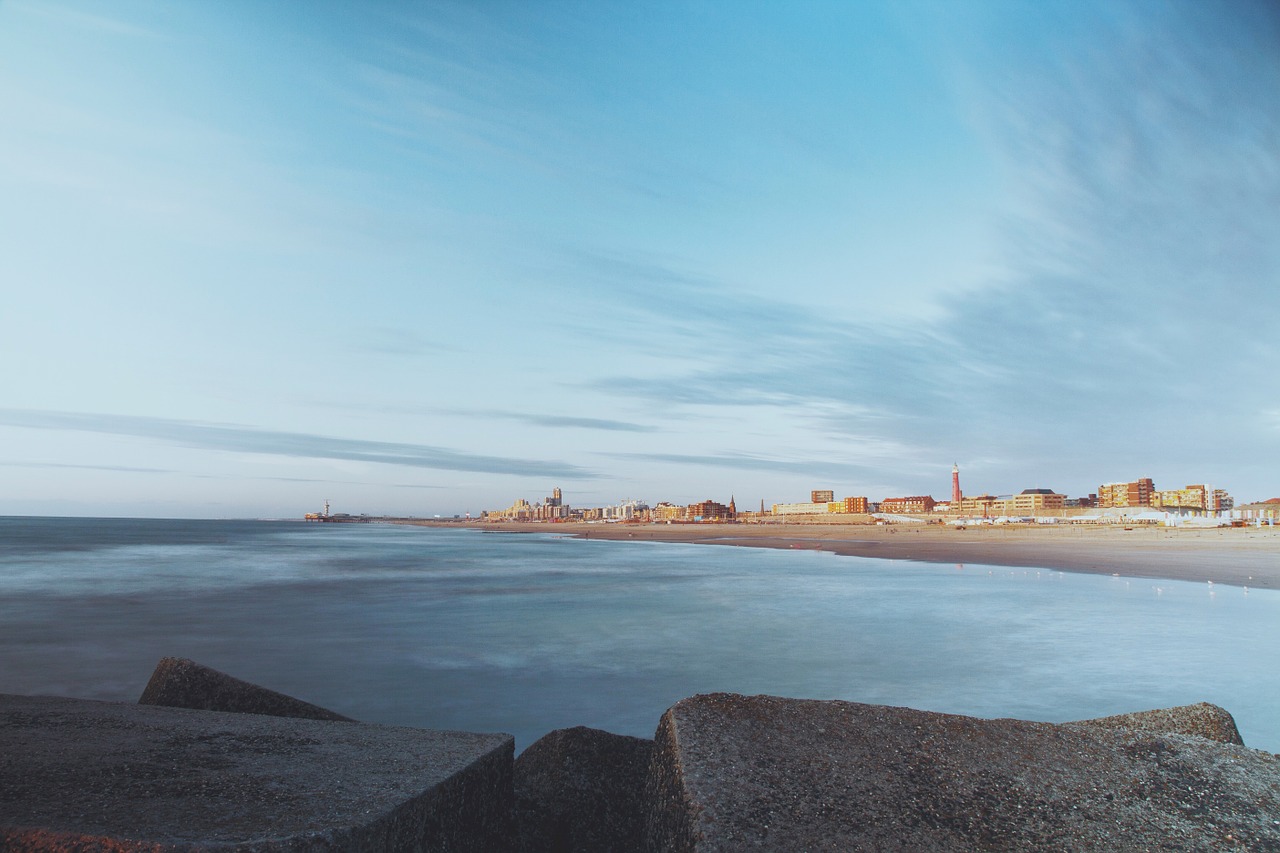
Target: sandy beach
[[1247, 557]]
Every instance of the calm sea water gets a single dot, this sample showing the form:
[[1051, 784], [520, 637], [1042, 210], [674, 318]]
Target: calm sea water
[[459, 629]]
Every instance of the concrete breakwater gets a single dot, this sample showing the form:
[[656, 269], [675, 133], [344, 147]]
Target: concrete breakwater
[[206, 761]]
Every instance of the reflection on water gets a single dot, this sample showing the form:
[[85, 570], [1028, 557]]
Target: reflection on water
[[463, 630]]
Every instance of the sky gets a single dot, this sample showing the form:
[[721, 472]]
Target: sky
[[431, 258]]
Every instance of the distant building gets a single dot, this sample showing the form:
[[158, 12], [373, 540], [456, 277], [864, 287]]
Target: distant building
[[629, 509], [856, 504], [1030, 502], [1262, 511], [551, 509], [1135, 493], [824, 503], [956, 495], [912, 504], [667, 512], [710, 511], [811, 508], [976, 505], [1027, 502], [521, 510], [1194, 497]]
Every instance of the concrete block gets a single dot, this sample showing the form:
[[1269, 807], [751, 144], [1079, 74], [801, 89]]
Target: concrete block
[[182, 683], [580, 790], [734, 773], [84, 775], [1202, 720]]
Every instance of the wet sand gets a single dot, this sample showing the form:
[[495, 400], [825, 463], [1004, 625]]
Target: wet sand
[[1238, 556]]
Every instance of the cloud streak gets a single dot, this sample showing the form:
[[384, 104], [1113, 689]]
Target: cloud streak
[[97, 23], [124, 469], [748, 462], [560, 421], [529, 418], [239, 439], [392, 341]]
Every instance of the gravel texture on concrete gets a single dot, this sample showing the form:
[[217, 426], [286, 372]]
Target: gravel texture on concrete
[[84, 775], [733, 773], [1202, 720], [581, 790], [182, 683]]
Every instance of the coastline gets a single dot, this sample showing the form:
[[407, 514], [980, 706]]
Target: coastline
[[1245, 557]]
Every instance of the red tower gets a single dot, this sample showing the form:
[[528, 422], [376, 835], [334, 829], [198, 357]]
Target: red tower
[[955, 487]]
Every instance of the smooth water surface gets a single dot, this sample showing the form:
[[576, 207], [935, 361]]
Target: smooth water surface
[[459, 629]]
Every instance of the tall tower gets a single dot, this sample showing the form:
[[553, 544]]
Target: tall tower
[[955, 487]]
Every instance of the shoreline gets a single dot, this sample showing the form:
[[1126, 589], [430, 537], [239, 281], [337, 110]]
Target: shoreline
[[1244, 557]]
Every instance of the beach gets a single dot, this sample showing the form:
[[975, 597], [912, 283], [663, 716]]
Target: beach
[[1245, 557]]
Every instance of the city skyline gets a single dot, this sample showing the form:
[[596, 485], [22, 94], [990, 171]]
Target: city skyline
[[417, 260]]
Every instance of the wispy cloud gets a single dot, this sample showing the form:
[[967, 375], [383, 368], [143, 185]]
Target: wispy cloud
[[558, 421], [1150, 153], [436, 90], [98, 23], [393, 341], [328, 481], [116, 468], [749, 462], [240, 439], [529, 418], [684, 310]]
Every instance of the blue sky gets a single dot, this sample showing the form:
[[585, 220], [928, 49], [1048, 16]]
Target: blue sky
[[431, 258]]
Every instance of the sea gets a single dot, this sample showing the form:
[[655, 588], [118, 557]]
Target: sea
[[525, 633]]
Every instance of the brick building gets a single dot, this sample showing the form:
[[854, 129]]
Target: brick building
[[856, 504], [1135, 493], [913, 504], [711, 511]]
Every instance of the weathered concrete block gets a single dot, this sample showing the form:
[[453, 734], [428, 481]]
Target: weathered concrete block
[[581, 789], [83, 775], [739, 773], [1202, 720], [182, 683]]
